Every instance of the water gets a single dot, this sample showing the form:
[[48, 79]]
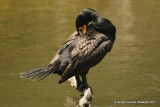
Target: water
[[32, 31]]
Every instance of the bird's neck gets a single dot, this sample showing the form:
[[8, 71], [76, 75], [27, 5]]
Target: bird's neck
[[105, 26]]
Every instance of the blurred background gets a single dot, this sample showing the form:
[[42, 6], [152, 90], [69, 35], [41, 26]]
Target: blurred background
[[31, 32]]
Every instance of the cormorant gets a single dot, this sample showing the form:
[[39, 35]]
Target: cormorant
[[84, 49]]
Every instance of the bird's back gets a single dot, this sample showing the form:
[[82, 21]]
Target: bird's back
[[84, 52]]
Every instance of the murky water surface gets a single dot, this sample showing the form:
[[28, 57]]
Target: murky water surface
[[32, 31]]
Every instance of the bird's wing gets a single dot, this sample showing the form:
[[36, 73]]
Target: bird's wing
[[64, 47], [85, 50], [67, 42]]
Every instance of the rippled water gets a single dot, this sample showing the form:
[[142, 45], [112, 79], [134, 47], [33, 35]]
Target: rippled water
[[32, 31]]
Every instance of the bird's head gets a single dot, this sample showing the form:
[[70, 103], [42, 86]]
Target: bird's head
[[84, 18]]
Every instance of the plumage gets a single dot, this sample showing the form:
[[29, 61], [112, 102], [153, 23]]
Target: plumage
[[82, 50], [88, 51]]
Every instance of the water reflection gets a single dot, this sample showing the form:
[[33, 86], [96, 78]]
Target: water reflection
[[70, 102], [5, 9], [126, 39], [126, 18]]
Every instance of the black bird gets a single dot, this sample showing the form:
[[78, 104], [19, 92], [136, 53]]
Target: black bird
[[84, 49]]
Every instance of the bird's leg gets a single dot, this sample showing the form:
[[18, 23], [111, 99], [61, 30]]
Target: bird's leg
[[80, 85], [87, 95], [84, 85], [76, 82], [84, 80]]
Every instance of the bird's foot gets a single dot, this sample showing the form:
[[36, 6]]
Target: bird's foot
[[85, 100], [82, 87]]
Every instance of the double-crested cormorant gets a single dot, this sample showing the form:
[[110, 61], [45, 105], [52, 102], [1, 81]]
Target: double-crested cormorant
[[84, 49]]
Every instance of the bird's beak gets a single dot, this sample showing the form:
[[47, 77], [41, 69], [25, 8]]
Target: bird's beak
[[82, 29]]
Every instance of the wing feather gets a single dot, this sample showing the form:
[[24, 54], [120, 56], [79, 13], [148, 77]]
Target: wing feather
[[67, 42], [84, 50], [64, 47]]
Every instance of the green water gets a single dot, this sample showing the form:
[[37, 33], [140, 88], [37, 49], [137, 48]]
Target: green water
[[32, 31]]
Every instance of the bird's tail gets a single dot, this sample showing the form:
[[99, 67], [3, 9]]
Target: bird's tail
[[39, 73]]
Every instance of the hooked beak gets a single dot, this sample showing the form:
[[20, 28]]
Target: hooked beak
[[82, 29]]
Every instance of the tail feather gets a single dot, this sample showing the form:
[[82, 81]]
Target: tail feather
[[39, 73]]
